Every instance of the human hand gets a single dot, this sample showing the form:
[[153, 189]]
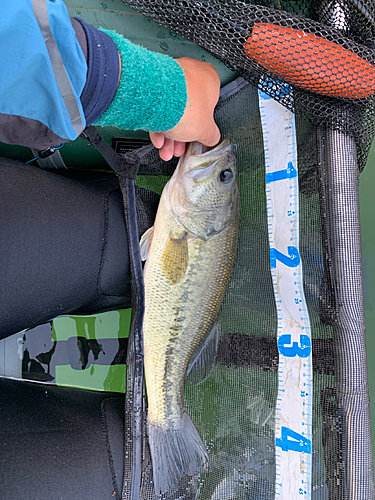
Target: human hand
[[197, 122]]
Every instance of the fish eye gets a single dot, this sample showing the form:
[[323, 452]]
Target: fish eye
[[226, 175]]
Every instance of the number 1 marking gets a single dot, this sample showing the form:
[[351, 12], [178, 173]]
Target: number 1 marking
[[280, 175]]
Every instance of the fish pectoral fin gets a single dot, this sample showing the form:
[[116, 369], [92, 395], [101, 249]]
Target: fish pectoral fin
[[145, 242], [203, 360], [174, 259]]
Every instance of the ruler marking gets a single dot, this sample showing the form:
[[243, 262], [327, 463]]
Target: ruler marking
[[293, 420]]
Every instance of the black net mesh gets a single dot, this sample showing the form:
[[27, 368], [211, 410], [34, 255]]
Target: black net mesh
[[323, 49], [234, 408]]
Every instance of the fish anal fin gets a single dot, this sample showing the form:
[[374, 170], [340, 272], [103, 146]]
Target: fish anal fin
[[203, 360], [174, 259], [175, 452], [145, 242]]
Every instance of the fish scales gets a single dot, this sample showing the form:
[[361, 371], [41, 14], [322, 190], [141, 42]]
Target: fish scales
[[190, 253], [175, 333]]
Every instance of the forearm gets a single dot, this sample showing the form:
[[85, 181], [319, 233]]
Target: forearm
[[148, 91], [151, 93]]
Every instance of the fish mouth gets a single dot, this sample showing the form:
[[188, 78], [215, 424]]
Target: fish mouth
[[199, 159], [197, 149]]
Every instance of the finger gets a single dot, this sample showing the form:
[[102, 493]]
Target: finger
[[179, 148], [157, 139], [166, 151], [213, 137]]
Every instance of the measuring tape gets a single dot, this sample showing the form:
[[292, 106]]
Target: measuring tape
[[293, 417]]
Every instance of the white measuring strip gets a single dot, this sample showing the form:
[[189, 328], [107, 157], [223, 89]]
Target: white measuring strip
[[293, 418]]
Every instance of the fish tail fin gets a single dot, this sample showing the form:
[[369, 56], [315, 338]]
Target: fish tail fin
[[174, 452]]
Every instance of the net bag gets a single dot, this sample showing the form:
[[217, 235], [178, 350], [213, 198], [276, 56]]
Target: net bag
[[317, 61]]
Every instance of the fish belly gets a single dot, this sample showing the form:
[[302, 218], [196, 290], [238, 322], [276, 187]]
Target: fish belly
[[178, 318]]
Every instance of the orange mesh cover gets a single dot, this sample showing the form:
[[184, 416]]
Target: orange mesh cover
[[310, 62]]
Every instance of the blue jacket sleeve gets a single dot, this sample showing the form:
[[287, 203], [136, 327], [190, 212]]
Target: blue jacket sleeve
[[43, 67]]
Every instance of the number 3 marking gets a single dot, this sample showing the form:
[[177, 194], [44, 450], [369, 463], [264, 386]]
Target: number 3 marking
[[290, 350]]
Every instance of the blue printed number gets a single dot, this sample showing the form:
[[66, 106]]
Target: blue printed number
[[292, 261], [290, 350], [280, 175], [292, 441]]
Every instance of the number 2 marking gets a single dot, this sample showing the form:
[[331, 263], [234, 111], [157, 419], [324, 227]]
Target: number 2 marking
[[292, 261]]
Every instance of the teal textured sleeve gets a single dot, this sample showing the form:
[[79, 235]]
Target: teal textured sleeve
[[151, 94]]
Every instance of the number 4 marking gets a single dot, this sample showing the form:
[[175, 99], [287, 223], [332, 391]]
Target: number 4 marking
[[292, 441]]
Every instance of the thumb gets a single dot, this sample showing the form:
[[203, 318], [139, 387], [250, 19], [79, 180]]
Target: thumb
[[212, 135]]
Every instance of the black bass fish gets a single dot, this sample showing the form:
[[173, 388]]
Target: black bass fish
[[190, 252]]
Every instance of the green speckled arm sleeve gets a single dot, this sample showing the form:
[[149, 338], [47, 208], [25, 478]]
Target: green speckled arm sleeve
[[151, 94]]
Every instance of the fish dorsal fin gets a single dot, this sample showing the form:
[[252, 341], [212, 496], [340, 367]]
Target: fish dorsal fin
[[174, 259], [203, 360], [145, 242]]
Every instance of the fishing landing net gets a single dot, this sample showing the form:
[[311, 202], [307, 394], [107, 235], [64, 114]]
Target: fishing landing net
[[317, 60]]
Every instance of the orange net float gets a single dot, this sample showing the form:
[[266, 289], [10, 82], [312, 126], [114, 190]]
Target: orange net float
[[311, 62]]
